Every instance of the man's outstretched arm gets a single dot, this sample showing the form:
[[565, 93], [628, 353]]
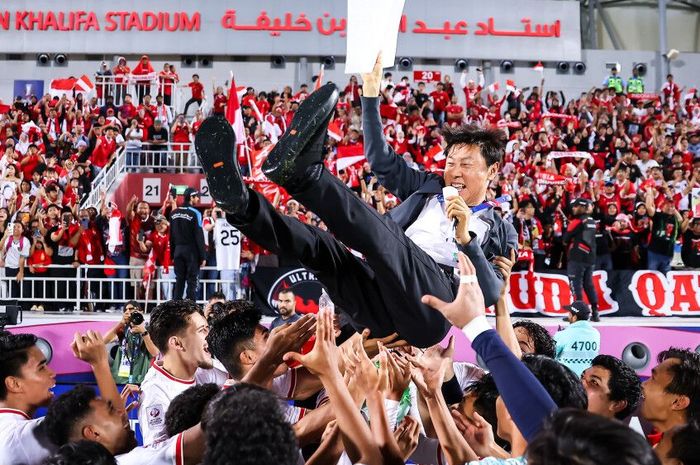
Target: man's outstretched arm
[[391, 170]]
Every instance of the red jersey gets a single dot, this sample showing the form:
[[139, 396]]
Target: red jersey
[[161, 248], [220, 104], [440, 100], [137, 226], [90, 248], [197, 90], [102, 153]]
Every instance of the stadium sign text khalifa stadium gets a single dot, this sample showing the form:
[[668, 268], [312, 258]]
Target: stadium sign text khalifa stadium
[[509, 29]]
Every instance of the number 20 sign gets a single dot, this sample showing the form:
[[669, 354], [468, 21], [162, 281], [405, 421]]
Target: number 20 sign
[[427, 76]]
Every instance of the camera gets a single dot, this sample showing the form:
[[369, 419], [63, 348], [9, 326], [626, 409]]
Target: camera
[[136, 318], [67, 218], [141, 236]]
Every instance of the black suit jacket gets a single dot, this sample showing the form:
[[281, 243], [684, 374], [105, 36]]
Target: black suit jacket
[[415, 188]]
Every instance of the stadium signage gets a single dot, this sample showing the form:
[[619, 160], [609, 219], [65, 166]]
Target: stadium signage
[[513, 29]]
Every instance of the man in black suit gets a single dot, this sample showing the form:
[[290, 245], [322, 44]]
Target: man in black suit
[[408, 253]]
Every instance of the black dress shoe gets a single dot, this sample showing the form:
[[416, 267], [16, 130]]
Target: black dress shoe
[[301, 147], [215, 144], [595, 317]]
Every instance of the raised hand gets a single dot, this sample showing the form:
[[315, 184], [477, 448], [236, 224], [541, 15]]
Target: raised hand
[[469, 302], [406, 435], [371, 82], [89, 347], [322, 361], [290, 337], [428, 370]]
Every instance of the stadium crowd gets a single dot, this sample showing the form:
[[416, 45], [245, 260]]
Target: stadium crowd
[[214, 385], [634, 155]]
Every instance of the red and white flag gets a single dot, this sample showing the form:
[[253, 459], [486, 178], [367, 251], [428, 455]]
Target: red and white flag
[[492, 88], [84, 84], [149, 270], [233, 112], [319, 79], [690, 94], [334, 131], [436, 153], [539, 67], [58, 87], [348, 155], [256, 110], [510, 86]]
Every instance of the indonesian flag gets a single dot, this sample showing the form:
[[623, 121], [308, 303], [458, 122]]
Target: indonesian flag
[[493, 87], [690, 94], [4, 108], [233, 112], [319, 80], [539, 67], [348, 155], [334, 131], [84, 84], [58, 87], [149, 269], [510, 86]]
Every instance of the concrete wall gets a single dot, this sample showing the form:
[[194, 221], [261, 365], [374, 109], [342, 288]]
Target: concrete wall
[[257, 72]]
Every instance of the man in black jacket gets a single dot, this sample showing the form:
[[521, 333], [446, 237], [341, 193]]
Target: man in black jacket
[[408, 253], [187, 245], [581, 240]]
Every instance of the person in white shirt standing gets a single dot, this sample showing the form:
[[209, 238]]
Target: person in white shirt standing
[[179, 331], [15, 251], [25, 385]]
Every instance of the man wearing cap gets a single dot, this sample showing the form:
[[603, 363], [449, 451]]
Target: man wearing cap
[[581, 245], [578, 344], [187, 245]]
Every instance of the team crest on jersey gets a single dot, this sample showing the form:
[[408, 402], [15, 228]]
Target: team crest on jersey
[[306, 287], [155, 415]]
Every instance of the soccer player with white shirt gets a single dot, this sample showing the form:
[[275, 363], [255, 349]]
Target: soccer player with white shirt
[[80, 415], [179, 331], [25, 385]]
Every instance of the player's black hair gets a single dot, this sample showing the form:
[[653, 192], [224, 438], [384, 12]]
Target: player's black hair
[[169, 319], [491, 141], [685, 446], [67, 411], [244, 425], [232, 334], [185, 410], [574, 437], [624, 384], [562, 384], [544, 342], [82, 453], [14, 353]]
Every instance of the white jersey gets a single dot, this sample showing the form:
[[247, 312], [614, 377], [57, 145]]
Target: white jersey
[[21, 442], [283, 386], [158, 389], [228, 245], [168, 451]]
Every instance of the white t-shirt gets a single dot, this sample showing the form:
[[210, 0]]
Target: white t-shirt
[[14, 249], [20, 441], [158, 389], [169, 451], [434, 233]]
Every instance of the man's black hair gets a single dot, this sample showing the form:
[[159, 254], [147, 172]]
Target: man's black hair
[[485, 394], [287, 290], [218, 295], [186, 410], [82, 453], [67, 411], [525, 204], [686, 378], [232, 334], [491, 142], [577, 437], [562, 384], [544, 342], [685, 444], [244, 425], [169, 319], [14, 353], [624, 384]]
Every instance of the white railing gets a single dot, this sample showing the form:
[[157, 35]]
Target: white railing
[[86, 286], [179, 93], [104, 180]]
